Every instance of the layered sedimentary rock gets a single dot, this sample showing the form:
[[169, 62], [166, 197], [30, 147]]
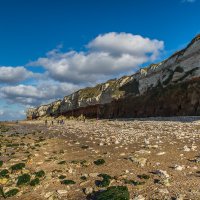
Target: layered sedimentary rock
[[168, 88]]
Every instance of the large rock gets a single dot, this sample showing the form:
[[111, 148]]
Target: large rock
[[167, 88]]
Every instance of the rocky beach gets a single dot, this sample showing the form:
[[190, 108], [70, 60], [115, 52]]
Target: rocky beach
[[149, 158]]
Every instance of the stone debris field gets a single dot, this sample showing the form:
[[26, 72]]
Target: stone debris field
[[136, 159]]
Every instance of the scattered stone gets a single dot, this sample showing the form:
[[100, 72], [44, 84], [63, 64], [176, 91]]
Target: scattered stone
[[164, 191], [62, 192], [162, 174], [142, 151], [88, 190], [160, 153], [179, 197], [139, 197], [70, 170], [84, 183], [153, 146], [146, 141], [48, 194], [116, 142], [139, 161], [3, 181], [93, 175], [197, 160], [186, 148], [179, 167]]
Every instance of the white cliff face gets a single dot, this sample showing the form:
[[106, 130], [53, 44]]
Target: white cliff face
[[30, 113], [182, 66], [53, 108]]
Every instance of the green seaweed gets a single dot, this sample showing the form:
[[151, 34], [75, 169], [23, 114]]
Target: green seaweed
[[4, 173], [2, 192], [85, 147], [99, 162], [68, 182], [105, 176], [113, 193], [144, 176], [18, 166], [35, 182], [23, 179], [84, 178], [132, 182], [105, 182], [40, 174], [11, 192], [62, 177], [62, 162]]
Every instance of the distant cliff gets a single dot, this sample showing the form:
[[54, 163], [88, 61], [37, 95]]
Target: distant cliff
[[168, 88]]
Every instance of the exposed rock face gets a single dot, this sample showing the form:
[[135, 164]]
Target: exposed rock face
[[171, 87]]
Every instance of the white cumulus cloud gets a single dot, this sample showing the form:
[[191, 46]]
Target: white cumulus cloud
[[126, 43], [10, 74], [107, 55], [35, 95]]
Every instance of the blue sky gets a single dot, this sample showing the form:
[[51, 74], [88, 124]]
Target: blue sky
[[50, 48]]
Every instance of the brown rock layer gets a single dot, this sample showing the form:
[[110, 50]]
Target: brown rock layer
[[175, 100]]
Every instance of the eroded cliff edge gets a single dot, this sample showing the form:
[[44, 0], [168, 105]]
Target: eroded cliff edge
[[168, 88]]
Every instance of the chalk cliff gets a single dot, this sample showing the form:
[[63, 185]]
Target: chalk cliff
[[168, 88]]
